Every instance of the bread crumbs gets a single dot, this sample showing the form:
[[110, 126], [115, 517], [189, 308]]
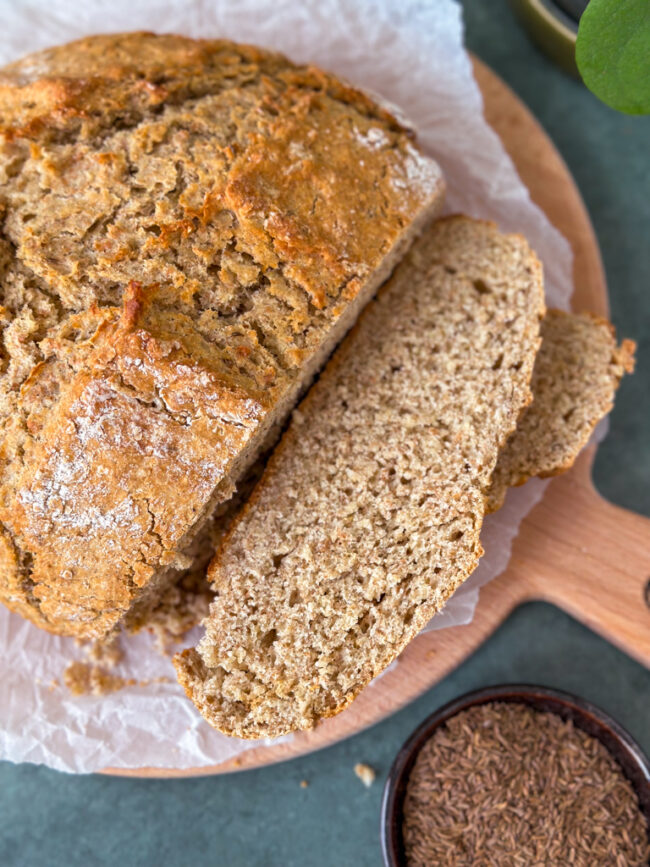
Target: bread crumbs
[[365, 773], [84, 678]]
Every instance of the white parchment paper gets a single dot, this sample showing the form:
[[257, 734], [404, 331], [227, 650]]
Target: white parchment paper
[[412, 54]]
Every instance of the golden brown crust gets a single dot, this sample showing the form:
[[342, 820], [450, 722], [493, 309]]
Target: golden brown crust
[[91, 81], [126, 463], [185, 225]]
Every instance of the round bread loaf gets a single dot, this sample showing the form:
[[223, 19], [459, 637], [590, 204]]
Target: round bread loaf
[[187, 229]]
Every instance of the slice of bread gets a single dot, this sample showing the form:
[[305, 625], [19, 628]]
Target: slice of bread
[[369, 513], [583, 365], [188, 229], [577, 371]]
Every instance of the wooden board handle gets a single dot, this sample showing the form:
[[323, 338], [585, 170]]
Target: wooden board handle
[[593, 560], [608, 587]]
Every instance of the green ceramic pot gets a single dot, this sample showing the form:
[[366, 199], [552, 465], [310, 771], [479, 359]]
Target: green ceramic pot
[[553, 26]]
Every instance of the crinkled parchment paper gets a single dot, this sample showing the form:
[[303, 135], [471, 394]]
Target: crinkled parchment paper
[[409, 52]]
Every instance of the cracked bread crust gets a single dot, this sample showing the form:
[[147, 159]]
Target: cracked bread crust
[[127, 460], [252, 206], [369, 512]]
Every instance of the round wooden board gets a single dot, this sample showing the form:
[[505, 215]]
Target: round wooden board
[[572, 548]]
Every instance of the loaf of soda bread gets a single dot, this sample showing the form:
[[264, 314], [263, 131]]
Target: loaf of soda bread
[[187, 230]]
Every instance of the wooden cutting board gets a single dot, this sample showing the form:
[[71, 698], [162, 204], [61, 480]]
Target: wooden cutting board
[[588, 557]]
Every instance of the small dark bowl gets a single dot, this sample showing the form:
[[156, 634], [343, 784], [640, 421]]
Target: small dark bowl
[[595, 722]]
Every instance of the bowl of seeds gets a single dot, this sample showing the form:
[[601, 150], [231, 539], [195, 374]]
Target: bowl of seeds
[[518, 775]]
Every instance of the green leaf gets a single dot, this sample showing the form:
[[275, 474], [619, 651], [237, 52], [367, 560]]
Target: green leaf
[[613, 53]]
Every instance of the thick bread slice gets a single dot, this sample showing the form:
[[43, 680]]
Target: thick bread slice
[[251, 207], [583, 365], [577, 371], [369, 513]]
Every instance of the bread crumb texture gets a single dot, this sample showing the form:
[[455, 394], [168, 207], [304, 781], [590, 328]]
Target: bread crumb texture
[[176, 608], [95, 675], [369, 512], [183, 226], [90, 679], [84, 678], [577, 371]]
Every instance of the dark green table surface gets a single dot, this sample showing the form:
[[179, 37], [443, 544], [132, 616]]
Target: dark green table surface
[[265, 817]]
